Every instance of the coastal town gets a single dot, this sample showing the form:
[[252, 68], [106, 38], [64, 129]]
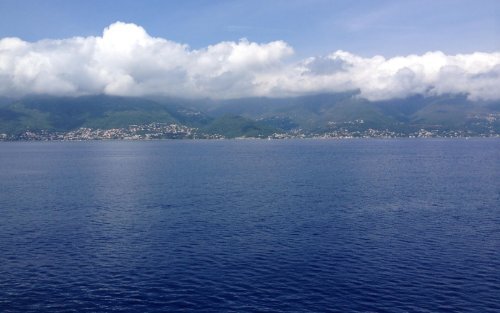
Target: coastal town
[[156, 131], [133, 132]]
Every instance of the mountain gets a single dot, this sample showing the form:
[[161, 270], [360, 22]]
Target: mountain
[[237, 126], [63, 114], [253, 117], [319, 112]]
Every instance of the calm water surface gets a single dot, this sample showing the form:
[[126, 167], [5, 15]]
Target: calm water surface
[[245, 226]]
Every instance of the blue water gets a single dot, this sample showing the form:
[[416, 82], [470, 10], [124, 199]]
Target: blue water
[[250, 226]]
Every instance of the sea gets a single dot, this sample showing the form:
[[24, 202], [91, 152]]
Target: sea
[[362, 225]]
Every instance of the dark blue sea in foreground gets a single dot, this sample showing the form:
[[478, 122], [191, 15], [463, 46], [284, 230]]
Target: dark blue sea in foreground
[[250, 226]]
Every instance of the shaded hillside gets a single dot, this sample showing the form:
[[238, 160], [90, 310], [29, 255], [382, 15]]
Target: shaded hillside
[[63, 114], [237, 126], [255, 117]]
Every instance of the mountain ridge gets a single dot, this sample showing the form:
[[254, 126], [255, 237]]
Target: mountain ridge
[[252, 117]]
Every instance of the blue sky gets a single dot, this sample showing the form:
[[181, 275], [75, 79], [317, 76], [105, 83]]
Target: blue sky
[[311, 27]]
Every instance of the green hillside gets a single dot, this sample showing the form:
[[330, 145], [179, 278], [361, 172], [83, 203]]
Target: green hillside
[[251, 117], [233, 126]]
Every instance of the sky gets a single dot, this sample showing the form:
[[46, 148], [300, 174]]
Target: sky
[[233, 49]]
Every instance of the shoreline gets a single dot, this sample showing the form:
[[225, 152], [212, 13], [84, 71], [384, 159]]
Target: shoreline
[[253, 139]]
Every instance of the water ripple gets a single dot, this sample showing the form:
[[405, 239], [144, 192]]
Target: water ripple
[[257, 226]]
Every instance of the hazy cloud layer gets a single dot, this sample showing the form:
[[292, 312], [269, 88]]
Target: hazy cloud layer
[[125, 60]]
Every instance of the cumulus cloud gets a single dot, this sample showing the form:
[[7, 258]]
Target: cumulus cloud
[[127, 61]]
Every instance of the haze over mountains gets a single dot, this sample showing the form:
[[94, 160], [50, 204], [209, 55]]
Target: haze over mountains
[[252, 117]]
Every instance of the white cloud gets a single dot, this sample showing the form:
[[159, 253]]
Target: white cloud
[[125, 60]]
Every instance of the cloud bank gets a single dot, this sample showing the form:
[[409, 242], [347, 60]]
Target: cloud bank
[[127, 61]]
